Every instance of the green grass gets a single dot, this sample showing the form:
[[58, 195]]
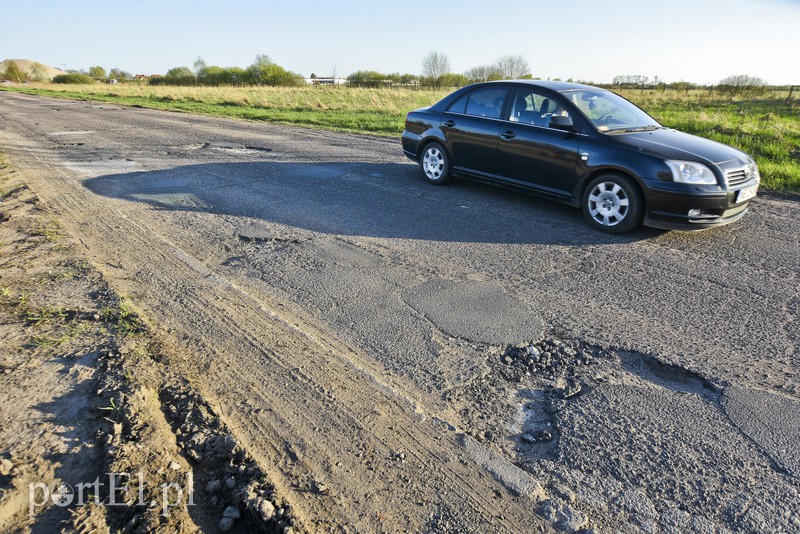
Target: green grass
[[45, 314], [767, 128]]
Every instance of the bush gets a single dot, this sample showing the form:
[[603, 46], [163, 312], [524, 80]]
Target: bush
[[263, 72], [367, 78], [743, 85], [175, 76], [73, 78]]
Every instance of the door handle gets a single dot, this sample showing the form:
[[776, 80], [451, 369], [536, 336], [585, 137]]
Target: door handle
[[449, 124], [508, 134]]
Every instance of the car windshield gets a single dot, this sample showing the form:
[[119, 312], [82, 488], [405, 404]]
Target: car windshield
[[610, 112]]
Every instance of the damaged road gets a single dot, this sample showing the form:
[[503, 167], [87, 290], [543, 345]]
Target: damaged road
[[398, 357]]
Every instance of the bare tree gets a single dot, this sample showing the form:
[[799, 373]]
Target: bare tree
[[512, 67], [435, 65], [631, 79], [263, 61], [199, 65], [483, 73]]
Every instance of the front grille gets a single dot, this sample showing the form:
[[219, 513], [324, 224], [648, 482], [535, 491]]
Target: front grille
[[736, 177]]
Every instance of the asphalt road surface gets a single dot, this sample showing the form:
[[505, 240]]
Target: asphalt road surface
[[458, 358]]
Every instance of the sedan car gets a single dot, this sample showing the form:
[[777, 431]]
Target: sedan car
[[584, 146]]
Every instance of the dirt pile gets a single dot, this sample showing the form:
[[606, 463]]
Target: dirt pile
[[27, 66]]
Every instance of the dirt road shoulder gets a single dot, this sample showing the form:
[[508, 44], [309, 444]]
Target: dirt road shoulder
[[95, 433]]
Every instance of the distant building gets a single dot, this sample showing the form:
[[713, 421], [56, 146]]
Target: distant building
[[326, 81]]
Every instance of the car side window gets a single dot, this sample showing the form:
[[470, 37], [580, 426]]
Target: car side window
[[459, 106], [532, 107], [487, 102]]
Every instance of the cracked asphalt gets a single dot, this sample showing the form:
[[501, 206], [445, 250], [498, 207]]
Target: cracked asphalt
[[684, 346]]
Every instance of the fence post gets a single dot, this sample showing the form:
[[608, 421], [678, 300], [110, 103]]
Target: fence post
[[791, 90]]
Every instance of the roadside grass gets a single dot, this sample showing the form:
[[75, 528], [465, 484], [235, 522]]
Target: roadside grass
[[766, 128], [374, 111]]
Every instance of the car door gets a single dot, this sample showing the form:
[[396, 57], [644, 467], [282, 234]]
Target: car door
[[531, 153], [471, 125]]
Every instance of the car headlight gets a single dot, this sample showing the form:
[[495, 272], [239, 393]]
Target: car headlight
[[691, 172], [751, 171]]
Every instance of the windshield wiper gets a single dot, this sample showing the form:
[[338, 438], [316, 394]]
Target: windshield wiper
[[648, 128]]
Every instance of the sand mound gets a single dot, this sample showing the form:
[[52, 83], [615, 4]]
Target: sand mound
[[25, 66]]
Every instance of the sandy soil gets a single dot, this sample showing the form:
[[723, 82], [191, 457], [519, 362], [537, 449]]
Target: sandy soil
[[85, 393]]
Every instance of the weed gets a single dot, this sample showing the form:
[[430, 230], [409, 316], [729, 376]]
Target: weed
[[53, 341], [113, 410], [51, 230], [44, 315], [66, 271], [124, 318]]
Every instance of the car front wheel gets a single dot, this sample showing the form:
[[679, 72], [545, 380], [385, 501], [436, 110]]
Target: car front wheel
[[613, 204], [435, 164]]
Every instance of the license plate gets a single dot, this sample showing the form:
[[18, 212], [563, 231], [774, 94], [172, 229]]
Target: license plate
[[746, 194]]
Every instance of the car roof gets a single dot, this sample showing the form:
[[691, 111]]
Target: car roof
[[558, 87], [545, 84]]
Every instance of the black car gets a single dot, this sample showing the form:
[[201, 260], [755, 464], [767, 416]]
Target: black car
[[584, 146]]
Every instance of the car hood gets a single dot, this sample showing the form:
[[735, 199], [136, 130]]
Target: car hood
[[672, 144]]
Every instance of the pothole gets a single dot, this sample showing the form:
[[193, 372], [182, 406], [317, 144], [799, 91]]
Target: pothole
[[226, 146], [259, 234], [476, 311], [666, 375], [595, 425]]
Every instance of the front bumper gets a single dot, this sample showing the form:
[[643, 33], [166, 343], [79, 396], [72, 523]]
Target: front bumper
[[668, 206]]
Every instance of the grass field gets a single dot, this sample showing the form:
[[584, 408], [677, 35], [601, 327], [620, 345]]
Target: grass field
[[767, 128]]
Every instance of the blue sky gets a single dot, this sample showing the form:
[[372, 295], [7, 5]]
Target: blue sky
[[694, 40]]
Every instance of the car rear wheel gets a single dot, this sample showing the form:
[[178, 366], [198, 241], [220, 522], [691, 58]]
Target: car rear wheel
[[613, 204], [435, 164]]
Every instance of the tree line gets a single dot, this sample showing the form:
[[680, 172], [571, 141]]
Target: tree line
[[436, 72], [263, 71], [738, 85]]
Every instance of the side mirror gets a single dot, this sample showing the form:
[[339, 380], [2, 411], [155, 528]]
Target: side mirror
[[559, 122]]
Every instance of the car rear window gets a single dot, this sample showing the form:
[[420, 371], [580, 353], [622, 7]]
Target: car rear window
[[487, 102], [459, 106]]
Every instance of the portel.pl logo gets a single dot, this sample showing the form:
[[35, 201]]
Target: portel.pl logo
[[122, 490]]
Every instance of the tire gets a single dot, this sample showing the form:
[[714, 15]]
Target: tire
[[613, 204], [435, 164]]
